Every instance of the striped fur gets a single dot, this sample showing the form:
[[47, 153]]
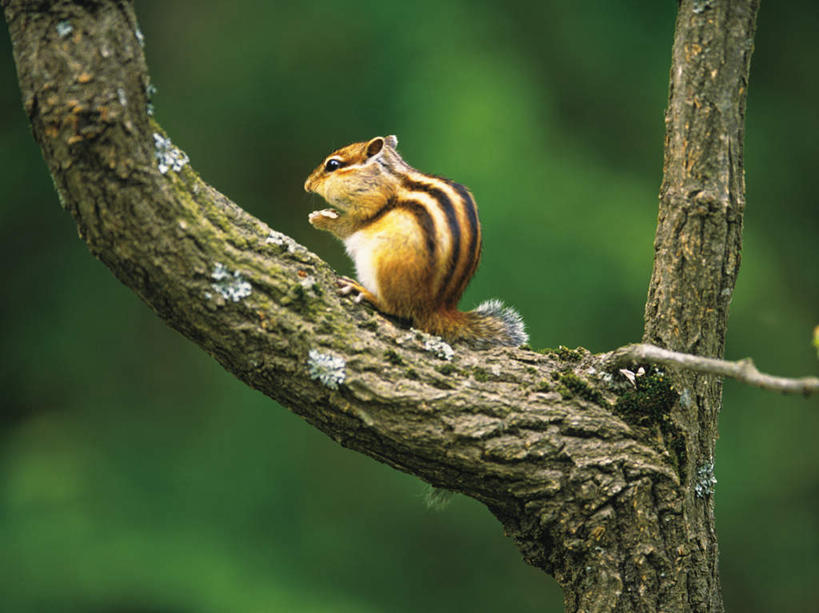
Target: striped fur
[[415, 240]]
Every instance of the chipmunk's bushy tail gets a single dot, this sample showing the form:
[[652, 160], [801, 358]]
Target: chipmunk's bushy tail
[[492, 323]]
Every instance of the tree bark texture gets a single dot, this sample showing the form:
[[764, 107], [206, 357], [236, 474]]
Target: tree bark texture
[[601, 482]]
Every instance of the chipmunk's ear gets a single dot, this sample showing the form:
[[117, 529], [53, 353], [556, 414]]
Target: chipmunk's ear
[[392, 141], [374, 146]]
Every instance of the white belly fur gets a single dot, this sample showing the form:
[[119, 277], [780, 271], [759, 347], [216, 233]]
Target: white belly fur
[[361, 248]]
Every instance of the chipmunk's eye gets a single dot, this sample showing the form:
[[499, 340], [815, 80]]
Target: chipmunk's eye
[[333, 164]]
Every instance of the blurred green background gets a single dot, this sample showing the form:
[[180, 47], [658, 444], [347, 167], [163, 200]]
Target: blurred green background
[[136, 475]]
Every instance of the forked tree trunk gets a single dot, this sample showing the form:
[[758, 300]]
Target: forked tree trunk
[[605, 486]]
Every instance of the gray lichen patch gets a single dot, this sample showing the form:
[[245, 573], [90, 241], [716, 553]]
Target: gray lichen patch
[[230, 285], [439, 348], [326, 369], [168, 157], [283, 241], [428, 342], [706, 482], [150, 92], [700, 6], [277, 238], [64, 28], [310, 286], [406, 338]]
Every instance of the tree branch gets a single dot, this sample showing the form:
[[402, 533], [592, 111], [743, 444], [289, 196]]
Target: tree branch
[[742, 370]]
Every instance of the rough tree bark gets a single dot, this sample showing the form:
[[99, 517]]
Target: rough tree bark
[[603, 483]]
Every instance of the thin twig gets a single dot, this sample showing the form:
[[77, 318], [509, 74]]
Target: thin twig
[[741, 370]]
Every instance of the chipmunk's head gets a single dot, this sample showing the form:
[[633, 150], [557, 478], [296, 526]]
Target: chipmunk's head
[[358, 175]]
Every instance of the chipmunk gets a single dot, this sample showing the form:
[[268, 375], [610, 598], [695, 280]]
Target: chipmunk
[[415, 240]]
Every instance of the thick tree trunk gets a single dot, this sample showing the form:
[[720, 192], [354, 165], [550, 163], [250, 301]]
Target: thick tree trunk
[[601, 482]]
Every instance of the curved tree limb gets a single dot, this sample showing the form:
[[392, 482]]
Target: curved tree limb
[[615, 504]]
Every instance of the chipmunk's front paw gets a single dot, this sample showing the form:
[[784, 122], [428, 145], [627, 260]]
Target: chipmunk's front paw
[[322, 218]]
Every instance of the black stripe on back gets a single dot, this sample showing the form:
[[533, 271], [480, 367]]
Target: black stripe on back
[[422, 216], [448, 208], [474, 231]]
